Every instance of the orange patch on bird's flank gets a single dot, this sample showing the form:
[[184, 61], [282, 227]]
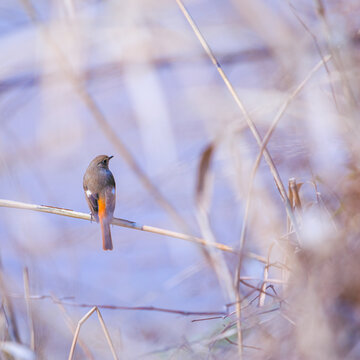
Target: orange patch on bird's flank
[[102, 207]]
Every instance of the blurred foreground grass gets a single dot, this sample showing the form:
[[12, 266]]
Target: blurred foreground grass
[[131, 79]]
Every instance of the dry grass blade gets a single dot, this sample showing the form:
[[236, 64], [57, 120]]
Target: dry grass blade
[[28, 308], [82, 321], [202, 183], [203, 202], [7, 307], [294, 196]]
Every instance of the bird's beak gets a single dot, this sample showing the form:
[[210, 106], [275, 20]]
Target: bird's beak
[[110, 157]]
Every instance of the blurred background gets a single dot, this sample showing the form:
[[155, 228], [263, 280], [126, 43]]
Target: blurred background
[[79, 78]]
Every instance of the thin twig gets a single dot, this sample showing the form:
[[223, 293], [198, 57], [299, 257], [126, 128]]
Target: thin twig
[[258, 289], [147, 308], [268, 280], [125, 308], [208, 318]]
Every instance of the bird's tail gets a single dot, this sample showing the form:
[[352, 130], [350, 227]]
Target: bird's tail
[[106, 234]]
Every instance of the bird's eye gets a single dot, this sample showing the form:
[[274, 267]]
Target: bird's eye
[[105, 161]]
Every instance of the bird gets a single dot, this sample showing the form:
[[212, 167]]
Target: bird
[[100, 193]]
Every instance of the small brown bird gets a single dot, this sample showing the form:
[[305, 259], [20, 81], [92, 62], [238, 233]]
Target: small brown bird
[[99, 186]]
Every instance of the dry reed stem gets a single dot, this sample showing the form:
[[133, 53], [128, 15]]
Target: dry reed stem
[[241, 106], [28, 308], [238, 321], [71, 325], [263, 151], [106, 332], [253, 130], [127, 224], [76, 335]]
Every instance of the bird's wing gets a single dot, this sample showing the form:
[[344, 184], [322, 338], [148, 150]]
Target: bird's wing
[[92, 200]]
